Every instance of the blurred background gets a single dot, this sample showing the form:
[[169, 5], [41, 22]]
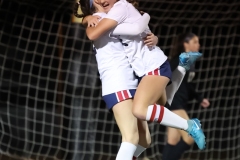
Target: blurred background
[[50, 92]]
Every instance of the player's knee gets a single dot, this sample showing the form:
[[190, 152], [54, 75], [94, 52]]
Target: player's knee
[[138, 113], [173, 140], [139, 110]]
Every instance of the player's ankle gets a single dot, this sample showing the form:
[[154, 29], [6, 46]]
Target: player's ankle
[[190, 123]]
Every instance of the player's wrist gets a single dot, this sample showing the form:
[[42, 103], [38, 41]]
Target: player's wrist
[[85, 20]]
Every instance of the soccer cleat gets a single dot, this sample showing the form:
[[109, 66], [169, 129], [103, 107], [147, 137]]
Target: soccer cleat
[[186, 59], [195, 131]]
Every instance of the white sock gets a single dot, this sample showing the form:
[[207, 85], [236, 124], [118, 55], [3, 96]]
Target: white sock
[[171, 119], [164, 116], [139, 151], [177, 77], [126, 151]]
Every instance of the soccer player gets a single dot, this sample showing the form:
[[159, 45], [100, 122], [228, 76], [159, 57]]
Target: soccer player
[[119, 85], [178, 141], [152, 112]]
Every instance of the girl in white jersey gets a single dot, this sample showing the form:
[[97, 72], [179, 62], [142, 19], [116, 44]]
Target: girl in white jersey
[[118, 88], [148, 94]]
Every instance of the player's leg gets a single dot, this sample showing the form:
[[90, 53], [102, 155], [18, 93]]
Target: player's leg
[[148, 92], [144, 138], [162, 100], [178, 141], [186, 138], [127, 124], [173, 137], [150, 89]]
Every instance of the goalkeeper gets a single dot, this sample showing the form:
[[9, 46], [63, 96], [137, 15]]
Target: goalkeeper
[[178, 141]]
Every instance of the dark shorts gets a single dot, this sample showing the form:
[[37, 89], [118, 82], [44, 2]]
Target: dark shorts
[[178, 103], [114, 98]]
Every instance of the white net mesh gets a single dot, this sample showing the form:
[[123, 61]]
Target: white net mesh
[[50, 93]]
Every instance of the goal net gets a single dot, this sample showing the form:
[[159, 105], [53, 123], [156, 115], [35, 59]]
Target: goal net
[[50, 92]]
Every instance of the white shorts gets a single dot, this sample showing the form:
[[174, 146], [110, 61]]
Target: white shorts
[[147, 60], [118, 79], [153, 58], [116, 75]]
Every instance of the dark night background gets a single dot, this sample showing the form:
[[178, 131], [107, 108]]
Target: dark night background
[[50, 93]]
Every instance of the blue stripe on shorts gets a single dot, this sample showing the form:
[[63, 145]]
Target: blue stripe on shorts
[[114, 98], [163, 70]]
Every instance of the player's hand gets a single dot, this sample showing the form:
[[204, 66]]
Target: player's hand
[[92, 20], [151, 40], [205, 103]]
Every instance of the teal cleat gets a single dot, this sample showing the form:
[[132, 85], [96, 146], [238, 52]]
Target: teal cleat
[[195, 131], [186, 59]]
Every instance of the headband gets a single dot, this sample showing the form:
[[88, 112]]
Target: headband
[[91, 3]]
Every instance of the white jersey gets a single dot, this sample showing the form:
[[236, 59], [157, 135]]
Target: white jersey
[[115, 72], [142, 58]]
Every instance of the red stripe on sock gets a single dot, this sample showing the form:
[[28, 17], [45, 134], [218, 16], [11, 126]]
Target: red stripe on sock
[[156, 71], [120, 97], [161, 114], [125, 94], [153, 113]]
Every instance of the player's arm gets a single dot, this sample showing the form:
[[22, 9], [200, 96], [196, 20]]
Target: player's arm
[[93, 20], [114, 17], [196, 95], [132, 29], [103, 26], [90, 21]]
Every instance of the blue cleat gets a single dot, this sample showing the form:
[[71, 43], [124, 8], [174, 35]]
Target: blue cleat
[[195, 131], [186, 59]]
